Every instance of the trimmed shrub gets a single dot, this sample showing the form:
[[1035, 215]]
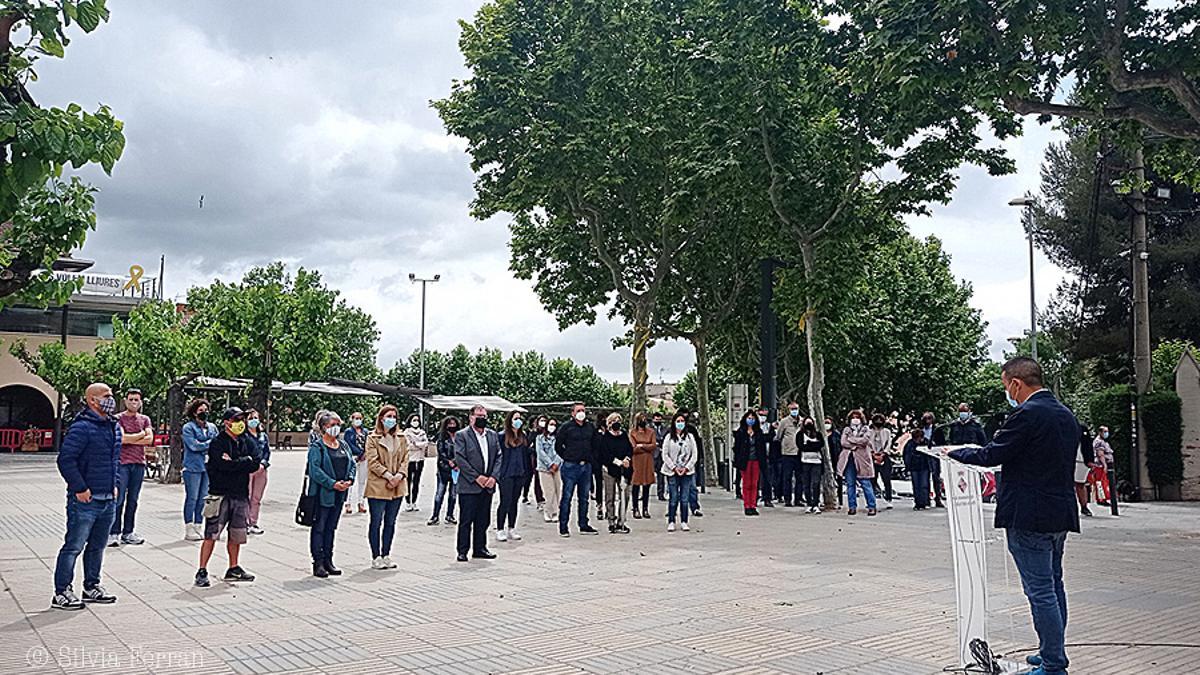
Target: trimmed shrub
[[1162, 420], [1110, 408]]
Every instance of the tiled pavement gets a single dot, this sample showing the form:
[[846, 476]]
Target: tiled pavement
[[783, 593]]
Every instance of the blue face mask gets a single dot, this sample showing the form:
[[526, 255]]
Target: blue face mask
[[751, 421], [252, 423], [964, 416], [1105, 434], [1011, 401], [389, 423], [517, 424], [795, 412], [679, 426]]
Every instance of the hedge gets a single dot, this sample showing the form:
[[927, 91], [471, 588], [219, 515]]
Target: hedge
[[1162, 420], [1110, 408]]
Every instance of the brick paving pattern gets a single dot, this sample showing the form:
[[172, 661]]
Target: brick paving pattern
[[784, 593]]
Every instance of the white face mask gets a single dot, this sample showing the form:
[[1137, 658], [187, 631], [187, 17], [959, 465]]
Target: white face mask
[[855, 422], [333, 431], [414, 424], [581, 416], [355, 422], [828, 427]]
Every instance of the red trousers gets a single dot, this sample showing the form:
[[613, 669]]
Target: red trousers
[[750, 484]]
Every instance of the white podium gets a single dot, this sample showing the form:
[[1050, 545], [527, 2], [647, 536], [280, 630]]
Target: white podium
[[964, 508]]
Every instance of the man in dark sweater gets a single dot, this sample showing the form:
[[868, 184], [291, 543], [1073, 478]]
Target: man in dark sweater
[[575, 443], [232, 457]]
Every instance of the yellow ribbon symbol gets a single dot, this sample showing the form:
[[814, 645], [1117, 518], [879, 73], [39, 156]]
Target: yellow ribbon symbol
[[135, 277]]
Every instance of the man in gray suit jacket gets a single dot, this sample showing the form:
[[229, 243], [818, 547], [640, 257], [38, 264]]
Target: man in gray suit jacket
[[475, 483]]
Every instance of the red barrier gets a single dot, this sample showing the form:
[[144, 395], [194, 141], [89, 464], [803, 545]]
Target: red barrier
[[10, 439]]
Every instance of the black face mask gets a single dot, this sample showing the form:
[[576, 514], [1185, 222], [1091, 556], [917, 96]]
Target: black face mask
[[203, 417], [616, 427], [481, 423], [642, 424], [810, 428], [451, 429]]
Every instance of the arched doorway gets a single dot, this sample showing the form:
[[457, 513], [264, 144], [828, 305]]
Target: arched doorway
[[23, 407]]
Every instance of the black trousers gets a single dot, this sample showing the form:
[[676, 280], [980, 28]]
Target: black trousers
[[810, 481], [641, 492], [766, 467], [790, 486], [474, 516], [883, 472], [510, 491], [414, 481]]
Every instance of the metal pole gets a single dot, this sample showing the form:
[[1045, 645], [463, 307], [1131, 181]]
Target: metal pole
[[421, 406], [1141, 317], [1032, 295], [58, 419]]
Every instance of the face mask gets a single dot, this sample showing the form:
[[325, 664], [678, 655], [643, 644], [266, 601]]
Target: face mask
[[828, 427], [237, 428], [679, 426], [541, 424], [854, 422], [414, 423], [480, 423], [517, 424], [810, 427], [552, 428], [356, 422], [751, 421], [616, 427], [794, 412], [389, 423], [1011, 401], [333, 431], [107, 405], [642, 424], [581, 416], [1105, 435], [964, 416], [253, 423], [202, 416]]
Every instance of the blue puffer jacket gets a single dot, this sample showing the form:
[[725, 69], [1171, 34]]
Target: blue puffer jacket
[[90, 454]]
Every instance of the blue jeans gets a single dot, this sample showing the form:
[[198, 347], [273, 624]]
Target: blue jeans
[[87, 531], [1038, 556], [383, 514], [320, 538], [446, 489], [851, 493], [129, 484], [575, 476], [920, 486], [682, 490], [195, 486]]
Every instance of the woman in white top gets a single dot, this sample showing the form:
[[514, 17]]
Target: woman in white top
[[418, 447], [679, 449]]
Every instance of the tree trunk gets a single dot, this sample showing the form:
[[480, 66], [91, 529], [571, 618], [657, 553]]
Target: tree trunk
[[705, 410], [260, 391], [173, 472], [816, 379], [641, 343]]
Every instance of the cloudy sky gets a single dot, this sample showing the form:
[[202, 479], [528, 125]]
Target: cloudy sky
[[309, 134]]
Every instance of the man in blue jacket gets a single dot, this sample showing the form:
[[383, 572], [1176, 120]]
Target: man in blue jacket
[[1036, 448], [88, 462]]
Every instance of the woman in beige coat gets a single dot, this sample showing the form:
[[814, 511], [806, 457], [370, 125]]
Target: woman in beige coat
[[856, 464], [387, 483]]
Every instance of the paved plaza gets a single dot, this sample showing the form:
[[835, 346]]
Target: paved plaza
[[782, 593]]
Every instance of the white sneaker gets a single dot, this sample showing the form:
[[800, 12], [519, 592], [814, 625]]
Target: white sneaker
[[684, 527], [114, 540], [512, 534], [254, 529], [501, 535], [387, 560], [378, 564], [670, 527], [887, 504], [193, 533]]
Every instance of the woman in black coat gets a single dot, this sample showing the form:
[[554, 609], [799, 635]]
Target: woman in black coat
[[749, 453], [615, 454]]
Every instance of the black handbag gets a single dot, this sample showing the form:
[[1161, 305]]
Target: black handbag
[[306, 506]]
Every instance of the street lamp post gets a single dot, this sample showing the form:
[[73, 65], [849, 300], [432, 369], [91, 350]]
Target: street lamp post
[[1027, 203], [424, 282]]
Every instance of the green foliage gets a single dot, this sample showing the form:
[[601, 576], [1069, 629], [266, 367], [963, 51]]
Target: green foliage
[[50, 215], [1110, 408], [1162, 420], [1163, 360], [148, 351], [69, 373]]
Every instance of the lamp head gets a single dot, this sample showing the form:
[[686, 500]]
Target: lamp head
[[1022, 201], [412, 277]]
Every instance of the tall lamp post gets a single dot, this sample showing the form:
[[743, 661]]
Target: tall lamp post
[[412, 278], [1027, 203]]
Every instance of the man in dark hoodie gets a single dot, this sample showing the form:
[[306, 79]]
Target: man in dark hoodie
[[88, 462], [232, 457]]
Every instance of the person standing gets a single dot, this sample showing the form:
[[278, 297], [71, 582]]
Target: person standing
[[966, 430], [136, 433], [418, 450], [197, 434], [768, 463], [356, 445], [1036, 447], [88, 461], [833, 439], [447, 472], [749, 450], [538, 429], [575, 443], [1085, 461], [1099, 475], [258, 479], [660, 432], [881, 455], [788, 433], [917, 464], [549, 468], [615, 455], [810, 466], [514, 463], [698, 473], [938, 437], [679, 452], [645, 446], [231, 460], [387, 483], [477, 454], [855, 463], [597, 467], [332, 471]]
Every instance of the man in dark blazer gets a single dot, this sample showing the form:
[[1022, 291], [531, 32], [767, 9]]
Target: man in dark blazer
[[475, 483], [1036, 448]]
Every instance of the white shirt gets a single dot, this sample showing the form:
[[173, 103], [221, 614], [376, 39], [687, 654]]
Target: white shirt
[[483, 449]]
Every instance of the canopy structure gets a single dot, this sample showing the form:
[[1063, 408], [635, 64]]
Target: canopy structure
[[465, 403], [326, 388]]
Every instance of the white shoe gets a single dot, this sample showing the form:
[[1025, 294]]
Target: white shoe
[[387, 560], [254, 529], [887, 504], [193, 532], [551, 520], [114, 540], [670, 527], [378, 564], [501, 535], [541, 507], [684, 527], [512, 534]]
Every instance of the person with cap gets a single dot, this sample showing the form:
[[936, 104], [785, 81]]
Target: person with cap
[[88, 462], [232, 457]]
